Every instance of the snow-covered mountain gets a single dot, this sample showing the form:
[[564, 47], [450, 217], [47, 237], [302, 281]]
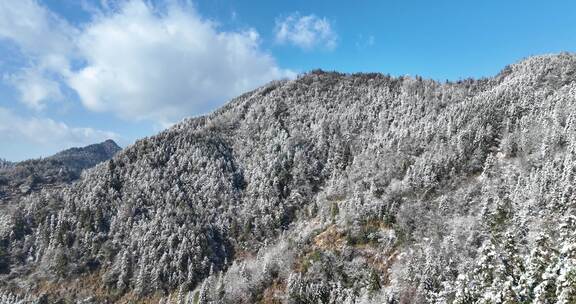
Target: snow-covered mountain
[[330, 188], [20, 179]]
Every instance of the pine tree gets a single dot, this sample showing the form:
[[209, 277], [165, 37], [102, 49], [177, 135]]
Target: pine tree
[[124, 272], [203, 294], [141, 286], [541, 257], [566, 281]]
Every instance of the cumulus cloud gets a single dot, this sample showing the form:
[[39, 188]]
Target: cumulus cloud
[[47, 132], [306, 32], [146, 65], [138, 61], [35, 29]]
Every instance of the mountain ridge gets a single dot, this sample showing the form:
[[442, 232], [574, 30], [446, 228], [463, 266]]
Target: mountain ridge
[[21, 178]]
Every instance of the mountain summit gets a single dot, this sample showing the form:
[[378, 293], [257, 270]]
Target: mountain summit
[[329, 188]]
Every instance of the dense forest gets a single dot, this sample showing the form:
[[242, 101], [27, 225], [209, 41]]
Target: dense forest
[[328, 188]]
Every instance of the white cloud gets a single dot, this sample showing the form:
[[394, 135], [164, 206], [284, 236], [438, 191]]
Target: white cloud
[[34, 28], [146, 65], [45, 131], [138, 61], [35, 89], [306, 32], [47, 42]]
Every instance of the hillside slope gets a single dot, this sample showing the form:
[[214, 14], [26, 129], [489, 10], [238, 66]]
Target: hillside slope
[[22, 178], [330, 188]]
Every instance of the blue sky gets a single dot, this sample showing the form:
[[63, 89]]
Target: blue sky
[[77, 72]]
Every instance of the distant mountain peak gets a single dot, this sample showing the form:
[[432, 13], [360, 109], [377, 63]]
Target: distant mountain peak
[[52, 171], [111, 146], [110, 142]]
